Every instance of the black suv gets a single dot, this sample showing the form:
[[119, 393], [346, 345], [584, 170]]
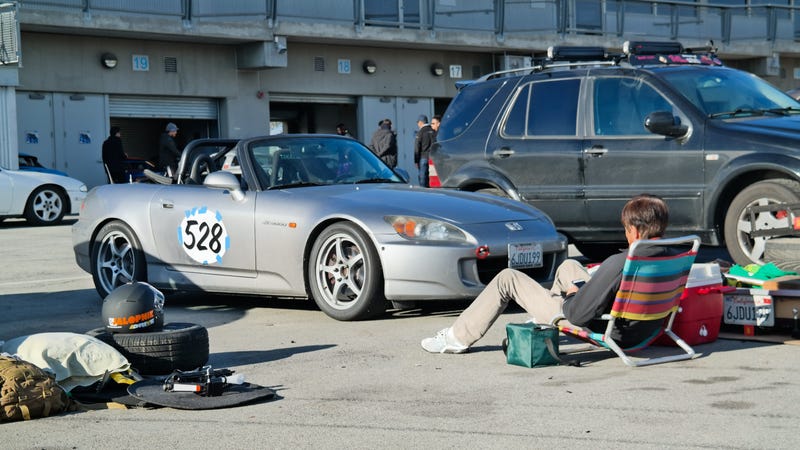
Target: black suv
[[584, 130]]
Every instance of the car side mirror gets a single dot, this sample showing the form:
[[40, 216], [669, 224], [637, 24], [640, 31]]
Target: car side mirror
[[665, 124], [225, 180]]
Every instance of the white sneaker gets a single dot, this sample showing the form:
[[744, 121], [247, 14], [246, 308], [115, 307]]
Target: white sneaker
[[443, 342]]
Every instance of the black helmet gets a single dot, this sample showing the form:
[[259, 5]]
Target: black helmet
[[134, 308]]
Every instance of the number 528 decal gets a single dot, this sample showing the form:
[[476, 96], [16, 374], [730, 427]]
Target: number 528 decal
[[203, 236]]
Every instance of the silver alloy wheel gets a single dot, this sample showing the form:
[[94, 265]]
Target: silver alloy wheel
[[116, 261], [340, 271], [47, 205], [754, 247]]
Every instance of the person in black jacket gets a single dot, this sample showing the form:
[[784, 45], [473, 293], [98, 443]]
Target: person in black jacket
[[643, 217], [384, 143], [423, 142], [168, 153], [114, 156]]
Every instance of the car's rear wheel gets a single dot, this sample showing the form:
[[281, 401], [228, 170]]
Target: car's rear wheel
[[117, 258], [46, 206], [345, 274], [744, 248]]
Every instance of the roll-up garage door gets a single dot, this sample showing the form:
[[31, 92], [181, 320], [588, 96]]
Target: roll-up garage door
[[156, 107]]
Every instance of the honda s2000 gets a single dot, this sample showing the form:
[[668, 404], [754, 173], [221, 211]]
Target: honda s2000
[[311, 216]]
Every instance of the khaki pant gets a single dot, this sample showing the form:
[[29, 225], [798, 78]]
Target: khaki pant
[[544, 305]]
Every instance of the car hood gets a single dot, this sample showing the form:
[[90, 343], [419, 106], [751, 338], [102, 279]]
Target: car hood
[[454, 206], [788, 126]]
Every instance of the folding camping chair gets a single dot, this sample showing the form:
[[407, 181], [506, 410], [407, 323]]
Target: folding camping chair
[[651, 289]]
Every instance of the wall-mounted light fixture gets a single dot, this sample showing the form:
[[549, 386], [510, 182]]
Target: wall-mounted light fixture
[[369, 66], [108, 60], [280, 44], [437, 69]]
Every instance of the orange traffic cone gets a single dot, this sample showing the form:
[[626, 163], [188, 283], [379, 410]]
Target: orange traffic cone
[[433, 176]]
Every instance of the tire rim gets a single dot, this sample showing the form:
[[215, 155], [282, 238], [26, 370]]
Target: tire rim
[[341, 270], [754, 247], [116, 262], [47, 205]]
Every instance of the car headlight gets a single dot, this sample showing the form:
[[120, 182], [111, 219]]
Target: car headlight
[[422, 229]]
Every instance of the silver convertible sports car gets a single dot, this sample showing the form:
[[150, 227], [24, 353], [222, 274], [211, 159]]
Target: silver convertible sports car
[[311, 216]]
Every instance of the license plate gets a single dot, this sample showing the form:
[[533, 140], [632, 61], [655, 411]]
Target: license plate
[[524, 256], [753, 309]]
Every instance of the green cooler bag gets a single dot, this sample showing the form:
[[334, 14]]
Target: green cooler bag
[[531, 345]]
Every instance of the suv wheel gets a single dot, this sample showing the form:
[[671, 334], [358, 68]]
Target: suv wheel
[[743, 248]]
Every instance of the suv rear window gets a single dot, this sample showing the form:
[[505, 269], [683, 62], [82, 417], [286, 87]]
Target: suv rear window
[[546, 108], [466, 106]]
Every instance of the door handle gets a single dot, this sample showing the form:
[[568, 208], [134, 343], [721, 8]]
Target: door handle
[[504, 152], [596, 151], [167, 204]]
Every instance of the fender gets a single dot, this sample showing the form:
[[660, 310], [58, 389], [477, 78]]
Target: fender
[[746, 166], [473, 176]]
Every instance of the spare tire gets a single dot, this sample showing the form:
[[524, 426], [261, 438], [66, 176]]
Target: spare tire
[[179, 346]]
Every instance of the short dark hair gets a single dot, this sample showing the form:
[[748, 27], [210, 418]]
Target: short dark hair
[[114, 131], [647, 213]]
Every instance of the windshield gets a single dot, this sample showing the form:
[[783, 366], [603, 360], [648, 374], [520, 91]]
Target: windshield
[[723, 92], [317, 161]]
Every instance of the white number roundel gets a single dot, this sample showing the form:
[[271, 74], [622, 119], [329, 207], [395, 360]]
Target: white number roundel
[[203, 236]]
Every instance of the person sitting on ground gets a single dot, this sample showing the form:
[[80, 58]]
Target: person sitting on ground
[[643, 217]]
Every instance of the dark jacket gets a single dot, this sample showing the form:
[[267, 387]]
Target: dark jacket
[[423, 142], [168, 153], [384, 144], [597, 296], [114, 158]]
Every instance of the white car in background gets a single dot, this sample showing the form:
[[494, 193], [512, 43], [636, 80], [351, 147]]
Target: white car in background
[[41, 198]]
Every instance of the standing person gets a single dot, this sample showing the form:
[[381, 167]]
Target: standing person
[[422, 147], [384, 143], [341, 130], [436, 120], [114, 156], [168, 153], [643, 217]]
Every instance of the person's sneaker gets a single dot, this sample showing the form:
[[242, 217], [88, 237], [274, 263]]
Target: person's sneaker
[[443, 342]]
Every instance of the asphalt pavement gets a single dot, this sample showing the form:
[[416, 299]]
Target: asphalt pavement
[[370, 385]]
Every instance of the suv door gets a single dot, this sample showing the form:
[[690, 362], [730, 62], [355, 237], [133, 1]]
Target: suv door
[[537, 147], [622, 158]]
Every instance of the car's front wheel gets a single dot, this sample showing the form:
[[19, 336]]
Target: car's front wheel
[[345, 274], [46, 206], [117, 258], [743, 247]]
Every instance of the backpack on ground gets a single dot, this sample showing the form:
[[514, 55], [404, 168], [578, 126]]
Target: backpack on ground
[[28, 392]]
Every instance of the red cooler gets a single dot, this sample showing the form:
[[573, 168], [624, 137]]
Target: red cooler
[[700, 312]]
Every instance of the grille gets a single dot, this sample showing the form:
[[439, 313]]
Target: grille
[[170, 64]]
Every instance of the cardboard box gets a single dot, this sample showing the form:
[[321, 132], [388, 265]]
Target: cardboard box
[[700, 312]]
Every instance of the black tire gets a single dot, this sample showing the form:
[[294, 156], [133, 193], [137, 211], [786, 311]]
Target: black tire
[[598, 252], [179, 346], [784, 253], [46, 206], [117, 258], [342, 250], [743, 248]]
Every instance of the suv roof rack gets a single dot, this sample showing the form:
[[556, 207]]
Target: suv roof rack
[[634, 53]]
